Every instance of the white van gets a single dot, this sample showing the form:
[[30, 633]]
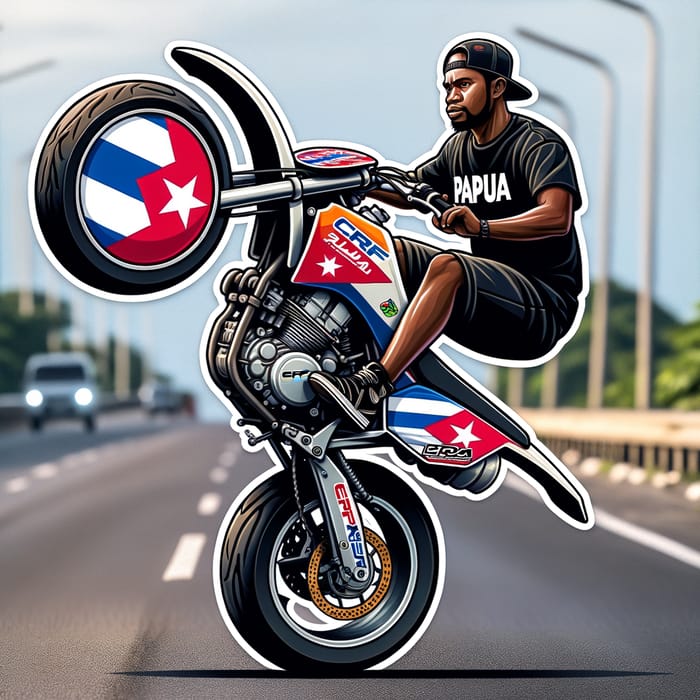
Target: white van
[[60, 384]]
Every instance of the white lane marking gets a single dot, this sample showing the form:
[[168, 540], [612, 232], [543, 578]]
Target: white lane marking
[[19, 483], [227, 459], [185, 557], [72, 461], [218, 475], [634, 533], [591, 466], [47, 470], [673, 477], [79, 458], [692, 493], [649, 539], [208, 504], [619, 472], [637, 476]]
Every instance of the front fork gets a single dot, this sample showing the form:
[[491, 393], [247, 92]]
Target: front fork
[[340, 512], [344, 521]]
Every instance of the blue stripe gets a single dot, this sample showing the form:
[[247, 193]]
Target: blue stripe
[[418, 391], [156, 119], [411, 420], [403, 381], [117, 168], [105, 236]]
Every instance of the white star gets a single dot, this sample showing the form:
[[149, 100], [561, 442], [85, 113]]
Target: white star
[[329, 266], [182, 200], [465, 435]]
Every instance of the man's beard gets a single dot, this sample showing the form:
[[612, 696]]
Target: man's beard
[[473, 121]]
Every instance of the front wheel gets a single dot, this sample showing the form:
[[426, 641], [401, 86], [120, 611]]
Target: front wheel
[[276, 595]]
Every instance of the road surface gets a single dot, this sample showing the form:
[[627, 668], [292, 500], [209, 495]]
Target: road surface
[[96, 601]]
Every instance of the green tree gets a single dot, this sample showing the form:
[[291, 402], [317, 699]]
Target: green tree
[[22, 336], [678, 383], [620, 356], [25, 335], [136, 364]]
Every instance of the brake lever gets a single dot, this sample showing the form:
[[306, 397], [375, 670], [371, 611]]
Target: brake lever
[[419, 194], [427, 200]]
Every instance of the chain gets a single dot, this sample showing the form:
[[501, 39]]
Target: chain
[[357, 486], [297, 497]]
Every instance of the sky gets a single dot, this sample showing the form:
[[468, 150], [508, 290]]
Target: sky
[[365, 72]]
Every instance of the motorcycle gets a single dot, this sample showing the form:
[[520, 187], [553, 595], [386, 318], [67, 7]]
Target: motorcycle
[[334, 558]]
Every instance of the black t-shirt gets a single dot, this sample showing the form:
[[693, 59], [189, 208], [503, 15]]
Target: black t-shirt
[[502, 178]]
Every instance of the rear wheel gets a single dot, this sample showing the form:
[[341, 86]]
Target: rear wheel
[[127, 187], [276, 584]]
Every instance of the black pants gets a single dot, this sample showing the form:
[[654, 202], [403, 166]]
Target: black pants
[[498, 311]]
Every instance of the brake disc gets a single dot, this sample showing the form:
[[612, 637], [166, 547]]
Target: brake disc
[[352, 613]]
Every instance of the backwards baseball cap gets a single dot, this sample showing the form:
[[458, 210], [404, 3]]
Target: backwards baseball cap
[[489, 57]]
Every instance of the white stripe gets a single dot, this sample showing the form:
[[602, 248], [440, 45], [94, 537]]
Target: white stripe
[[208, 504], [218, 475], [634, 533], [45, 471], [112, 209], [647, 538], [227, 459], [144, 139], [20, 483], [185, 557], [430, 407], [417, 433]]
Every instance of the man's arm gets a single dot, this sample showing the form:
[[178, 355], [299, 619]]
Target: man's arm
[[551, 217]]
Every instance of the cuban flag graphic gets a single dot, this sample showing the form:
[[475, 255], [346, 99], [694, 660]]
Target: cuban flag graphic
[[420, 416], [147, 189], [354, 257]]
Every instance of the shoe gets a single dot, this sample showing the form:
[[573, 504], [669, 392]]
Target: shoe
[[358, 396]]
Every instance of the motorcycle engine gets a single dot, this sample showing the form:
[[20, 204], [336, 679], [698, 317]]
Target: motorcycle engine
[[293, 335]]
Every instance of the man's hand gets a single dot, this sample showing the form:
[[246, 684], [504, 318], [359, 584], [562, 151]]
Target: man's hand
[[458, 220]]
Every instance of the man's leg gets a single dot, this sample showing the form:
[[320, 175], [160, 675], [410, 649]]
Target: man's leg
[[359, 395], [426, 316]]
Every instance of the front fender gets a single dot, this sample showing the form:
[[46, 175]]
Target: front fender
[[265, 133]]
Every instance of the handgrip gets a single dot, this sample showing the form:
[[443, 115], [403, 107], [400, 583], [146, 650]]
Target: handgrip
[[428, 201]]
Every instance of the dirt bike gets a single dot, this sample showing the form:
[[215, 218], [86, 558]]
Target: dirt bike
[[335, 558]]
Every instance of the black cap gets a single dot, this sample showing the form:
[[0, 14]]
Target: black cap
[[489, 57]]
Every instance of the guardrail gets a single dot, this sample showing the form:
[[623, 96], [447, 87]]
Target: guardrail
[[660, 439]]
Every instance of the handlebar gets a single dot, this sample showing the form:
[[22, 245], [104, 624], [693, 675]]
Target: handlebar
[[293, 187]]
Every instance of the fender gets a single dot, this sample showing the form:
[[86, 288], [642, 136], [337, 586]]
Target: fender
[[266, 136]]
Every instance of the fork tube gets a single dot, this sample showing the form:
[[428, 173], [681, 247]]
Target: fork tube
[[342, 516]]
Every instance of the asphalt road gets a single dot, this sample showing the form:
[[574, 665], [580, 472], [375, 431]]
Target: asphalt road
[[89, 525]]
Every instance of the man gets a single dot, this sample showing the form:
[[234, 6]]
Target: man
[[514, 190]]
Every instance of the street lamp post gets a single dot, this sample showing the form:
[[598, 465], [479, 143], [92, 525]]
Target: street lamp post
[[550, 371], [26, 306], [643, 363], [599, 314]]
